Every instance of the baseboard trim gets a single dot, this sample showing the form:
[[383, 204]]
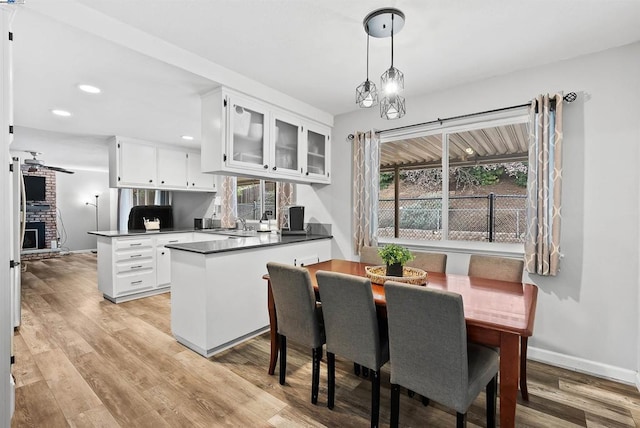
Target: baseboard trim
[[581, 365]]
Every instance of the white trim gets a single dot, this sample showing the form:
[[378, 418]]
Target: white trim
[[581, 365], [464, 247], [507, 117]]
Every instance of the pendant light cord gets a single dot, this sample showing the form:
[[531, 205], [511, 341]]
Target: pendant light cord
[[367, 53], [392, 15]]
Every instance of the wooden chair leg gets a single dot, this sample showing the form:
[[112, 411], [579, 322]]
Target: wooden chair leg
[[331, 379], [283, 358], [425, 401], [375, 398], [410, 393], [492, 392], [365, 372], [395, 405], [315, 381], [523, 368], [356, 369], [461, 420]]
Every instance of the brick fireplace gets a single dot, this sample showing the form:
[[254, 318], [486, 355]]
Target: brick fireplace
[[41, 219]]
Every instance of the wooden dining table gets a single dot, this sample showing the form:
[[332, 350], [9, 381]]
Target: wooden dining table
[[497, 313]]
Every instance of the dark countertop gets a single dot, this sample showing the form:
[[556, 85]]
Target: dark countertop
[[121, 233], [235, 243]]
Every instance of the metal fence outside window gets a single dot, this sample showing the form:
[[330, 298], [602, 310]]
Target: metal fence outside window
[[493, 218]]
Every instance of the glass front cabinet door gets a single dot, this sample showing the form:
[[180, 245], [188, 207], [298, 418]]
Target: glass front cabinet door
[[286, 145], [317, 152], [247, 142]]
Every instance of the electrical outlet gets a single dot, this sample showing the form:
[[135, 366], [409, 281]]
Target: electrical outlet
[[54, 244]]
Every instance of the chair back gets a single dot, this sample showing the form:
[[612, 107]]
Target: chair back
[[428, 342], [498, 268], [295, 301], [350, 320], [430, 262], [370, 255]]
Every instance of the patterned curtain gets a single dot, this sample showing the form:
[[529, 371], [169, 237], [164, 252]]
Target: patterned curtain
[[229, 202], [542, 243], [366, 188], [286, 195]]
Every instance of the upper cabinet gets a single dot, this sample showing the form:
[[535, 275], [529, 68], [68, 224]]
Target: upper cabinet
[[145, 165], [244, 136]]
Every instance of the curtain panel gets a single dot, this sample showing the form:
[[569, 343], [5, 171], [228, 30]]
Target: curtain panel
[[544, 187], [229, 204], [366, 189], [285, 195]]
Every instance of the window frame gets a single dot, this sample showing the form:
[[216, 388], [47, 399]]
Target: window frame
[[506, 117]]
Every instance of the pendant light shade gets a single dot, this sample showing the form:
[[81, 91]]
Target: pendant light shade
[[392, 107], [382, 23]]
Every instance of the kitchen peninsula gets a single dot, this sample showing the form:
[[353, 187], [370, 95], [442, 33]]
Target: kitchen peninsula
[[218, 296]]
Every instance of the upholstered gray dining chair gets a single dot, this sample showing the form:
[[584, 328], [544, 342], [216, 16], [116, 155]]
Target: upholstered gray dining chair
[[430, 262], [352, 329], [299, 317], [429, 352], [503, 269], [370, 255]]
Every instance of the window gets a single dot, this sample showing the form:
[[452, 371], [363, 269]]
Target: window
[[255, 197], [461, 182], [129, 198]]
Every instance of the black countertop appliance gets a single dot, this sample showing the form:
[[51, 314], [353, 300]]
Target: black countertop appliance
[[164, 213]]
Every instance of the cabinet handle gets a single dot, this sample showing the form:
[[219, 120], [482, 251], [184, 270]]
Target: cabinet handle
[[135, 255], [306, 173], [162, 182], [150, 181], [136, 267], [136, 282], [173, 242], [193, 184], [135, 245], [266, 167], [162, 253], [274, 168]]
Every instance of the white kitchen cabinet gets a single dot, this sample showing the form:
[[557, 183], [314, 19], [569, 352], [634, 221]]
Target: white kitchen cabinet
[[163, 255], [126, 267], [196, 179], [146, 165], [134, 164], [172, 168], [317, 150], [244, 136]]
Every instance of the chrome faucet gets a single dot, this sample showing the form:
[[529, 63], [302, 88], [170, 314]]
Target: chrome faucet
[[243, 222]]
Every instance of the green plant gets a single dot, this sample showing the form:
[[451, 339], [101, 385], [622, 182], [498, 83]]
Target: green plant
[[393, 253]]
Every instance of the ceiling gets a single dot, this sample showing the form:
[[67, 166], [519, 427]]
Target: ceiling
[[154, 58]]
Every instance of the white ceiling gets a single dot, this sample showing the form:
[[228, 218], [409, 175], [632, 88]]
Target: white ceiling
[[153, 58]]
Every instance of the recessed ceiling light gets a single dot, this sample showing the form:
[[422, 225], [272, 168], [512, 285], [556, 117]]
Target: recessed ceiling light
[[62, 113], [187, 137], [89, 89], [469, 150]]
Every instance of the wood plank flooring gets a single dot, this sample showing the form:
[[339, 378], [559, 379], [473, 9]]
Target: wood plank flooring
[[82, 361]]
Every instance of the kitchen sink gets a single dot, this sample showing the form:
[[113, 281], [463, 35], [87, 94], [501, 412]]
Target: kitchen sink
[[236, 232]]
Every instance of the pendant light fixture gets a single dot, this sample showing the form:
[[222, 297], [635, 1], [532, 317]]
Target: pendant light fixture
[[367, 93], [382, 23]]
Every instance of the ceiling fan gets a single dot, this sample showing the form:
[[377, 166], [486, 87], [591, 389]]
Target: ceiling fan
[[36, 164]]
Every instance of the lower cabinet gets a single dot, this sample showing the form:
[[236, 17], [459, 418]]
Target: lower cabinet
[[134, 267]]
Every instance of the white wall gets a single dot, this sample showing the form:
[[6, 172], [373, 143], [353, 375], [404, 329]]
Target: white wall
[[74, 216], [587, 316]]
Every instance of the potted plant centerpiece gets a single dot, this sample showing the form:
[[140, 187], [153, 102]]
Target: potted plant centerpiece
[[395, 256]]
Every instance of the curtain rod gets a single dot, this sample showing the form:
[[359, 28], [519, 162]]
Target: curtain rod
[[570, 97]]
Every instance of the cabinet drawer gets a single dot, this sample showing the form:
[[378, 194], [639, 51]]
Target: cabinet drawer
[[136, 253], [134, 266], [173, 239], [125, 244], [126, 283]]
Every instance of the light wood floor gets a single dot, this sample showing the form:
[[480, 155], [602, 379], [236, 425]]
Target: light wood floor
[[83, 361]]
